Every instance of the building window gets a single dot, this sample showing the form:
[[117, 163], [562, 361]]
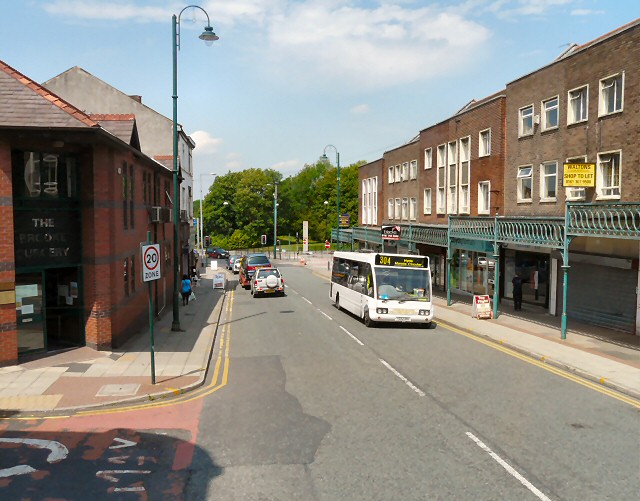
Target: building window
[[398, 213], [484, 197], [525, 181], [465, 167], [428, 160], [608, 175], [390, 214], [126, 277], [125, 196], [131, 198], [611, 94], [413, 208], [573, 193], [369, 200], [398, 176], [405, 171], [484, 143], [441, 181], [548, 181], [405, 209], [452, 195], [391, 177], [577, 109], [426, 201], [550, 116], [525, 122], [133, 273], [413, 169]]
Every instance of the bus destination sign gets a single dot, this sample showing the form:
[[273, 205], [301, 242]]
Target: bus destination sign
[[402, 261]]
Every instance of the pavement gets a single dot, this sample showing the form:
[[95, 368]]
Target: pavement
[[83, 378]]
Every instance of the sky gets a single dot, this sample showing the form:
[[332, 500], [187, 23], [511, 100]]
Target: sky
[[287, 78]]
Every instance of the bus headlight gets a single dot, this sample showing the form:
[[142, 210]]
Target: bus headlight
[[382, 311], [424, 313]]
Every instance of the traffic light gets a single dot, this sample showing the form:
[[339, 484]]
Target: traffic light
[[264, 239], [207, 240]]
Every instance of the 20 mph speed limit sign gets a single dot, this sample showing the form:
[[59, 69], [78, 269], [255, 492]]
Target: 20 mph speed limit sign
[[150, 262]]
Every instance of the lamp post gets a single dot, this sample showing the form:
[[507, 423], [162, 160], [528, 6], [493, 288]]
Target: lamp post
[[326, 219], [225, 204], [325, 159], [275, 218], [202, 249], [209, 37]]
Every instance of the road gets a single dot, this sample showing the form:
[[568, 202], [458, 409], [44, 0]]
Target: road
[[306, 403]]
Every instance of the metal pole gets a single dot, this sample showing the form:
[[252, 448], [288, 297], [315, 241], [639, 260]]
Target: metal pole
[[449, 257], [275, 218], [175, 325], [565, 272], [496, 273], [338, 201], [201, 220], [152, 347]]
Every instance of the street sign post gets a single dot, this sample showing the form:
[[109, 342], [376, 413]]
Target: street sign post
[[151, 272]]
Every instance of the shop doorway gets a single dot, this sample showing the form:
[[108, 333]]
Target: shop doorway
[[533, 269], [49, 310]]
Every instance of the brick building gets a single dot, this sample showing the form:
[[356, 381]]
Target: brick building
[[77, 199]]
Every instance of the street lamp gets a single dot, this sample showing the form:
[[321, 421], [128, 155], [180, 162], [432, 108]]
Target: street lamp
[[225, 204], [275, 216], [209, 37], [324, 158], [201, 204]]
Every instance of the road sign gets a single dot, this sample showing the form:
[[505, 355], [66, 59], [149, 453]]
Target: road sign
[[150, 262], [327, 244]]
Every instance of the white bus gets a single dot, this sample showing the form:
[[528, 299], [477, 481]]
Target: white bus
[[382, 287]]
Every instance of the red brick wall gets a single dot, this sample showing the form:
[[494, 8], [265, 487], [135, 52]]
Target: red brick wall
[[404, 189], [618, 131], [8, 330]]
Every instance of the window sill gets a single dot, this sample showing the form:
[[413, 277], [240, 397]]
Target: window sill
[[549, 129], [604, 115], [571, 124], [483, 212], [484, 155], [525, 201], [522, 136], [608, 197], [548, 200]]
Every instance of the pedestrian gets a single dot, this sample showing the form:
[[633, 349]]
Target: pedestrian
[[517, 292], [186, 290]]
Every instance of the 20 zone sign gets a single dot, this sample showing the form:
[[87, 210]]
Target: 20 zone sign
[[150, 262]]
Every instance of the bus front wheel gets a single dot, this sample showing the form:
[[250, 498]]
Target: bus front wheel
[[367, 319]]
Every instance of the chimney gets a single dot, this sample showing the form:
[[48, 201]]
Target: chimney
[[136, 98]]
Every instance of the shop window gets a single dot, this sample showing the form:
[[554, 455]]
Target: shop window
[[45, 175]]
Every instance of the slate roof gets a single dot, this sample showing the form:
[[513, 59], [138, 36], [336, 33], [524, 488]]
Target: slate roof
[[25, 103], [123, 126]]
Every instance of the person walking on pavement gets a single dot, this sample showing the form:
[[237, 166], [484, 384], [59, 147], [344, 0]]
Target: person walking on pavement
[[186, 290], [517, 292]]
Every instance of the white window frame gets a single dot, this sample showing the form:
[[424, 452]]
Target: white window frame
[[390, 208], [608, 191], [583, 93], [398, 211], [484, 204], [441, 181], [619, 90], [428, 159], [391, 174], [521, 120], [548, 107], [452, 177], [464, 195], [521, 178], [405, 171], [413, 208], [575, 193], [484, 147], [398, 176], [413, 169], [426, 201], [546, 181], [405, 209]]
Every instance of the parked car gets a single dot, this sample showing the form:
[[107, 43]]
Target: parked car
[[217, 253], [232, 259], [248, 268], [267, 281], [236, 265]]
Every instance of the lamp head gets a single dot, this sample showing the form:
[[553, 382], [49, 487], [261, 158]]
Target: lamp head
[[324, 158], [208, 36]]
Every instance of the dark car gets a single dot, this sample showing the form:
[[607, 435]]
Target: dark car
[[249, 265], [217, 253]]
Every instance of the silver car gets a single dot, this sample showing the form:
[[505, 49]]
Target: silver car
[[267, 281]]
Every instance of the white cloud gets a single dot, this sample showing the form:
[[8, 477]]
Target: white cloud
[[517, 8], [109, 10], [205, 142], [586, 12], [361, 109]]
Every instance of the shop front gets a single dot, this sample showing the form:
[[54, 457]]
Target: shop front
[[533, 269], [472, 267], [47, 247]]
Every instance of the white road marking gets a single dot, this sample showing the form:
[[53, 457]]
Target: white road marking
[[123, 443], [306, 300], [58, 453], [508, 467], [23, 469], [352, 336], [325, 314], [406, 381]]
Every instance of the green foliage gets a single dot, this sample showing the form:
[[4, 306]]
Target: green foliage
[[249, 208]]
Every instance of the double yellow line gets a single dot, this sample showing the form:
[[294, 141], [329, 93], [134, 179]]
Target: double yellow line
[[543, 365]]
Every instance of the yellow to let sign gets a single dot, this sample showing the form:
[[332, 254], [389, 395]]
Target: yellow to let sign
[[582, 175]]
